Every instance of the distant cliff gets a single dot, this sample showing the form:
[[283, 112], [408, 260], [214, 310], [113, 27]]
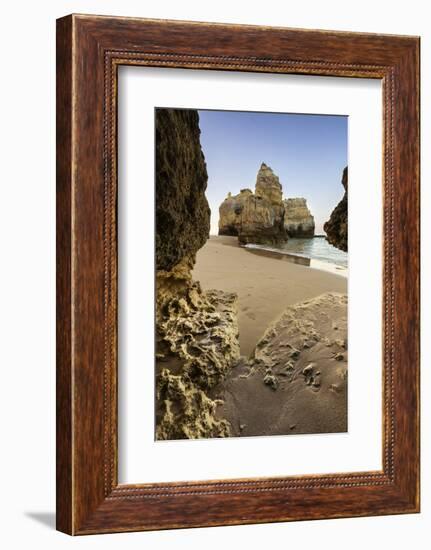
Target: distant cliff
[[336, 228], [255, 217], [298, 220]]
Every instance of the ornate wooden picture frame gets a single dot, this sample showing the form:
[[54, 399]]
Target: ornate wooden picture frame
[[89, 51]]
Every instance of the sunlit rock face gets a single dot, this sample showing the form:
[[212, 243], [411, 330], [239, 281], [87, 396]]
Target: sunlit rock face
[[298, 221], [197, 344], [336, 228], [196, 331], [268, 185], [255, 217], [231, 209]]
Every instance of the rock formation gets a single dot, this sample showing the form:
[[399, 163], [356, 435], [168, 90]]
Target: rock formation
[[268, 185], [182, 210], [196, 331], [336, 228], [230, 221], [298, 220], [255, 217]]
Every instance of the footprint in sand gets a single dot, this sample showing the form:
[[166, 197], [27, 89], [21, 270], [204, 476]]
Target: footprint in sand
[[248, 313]]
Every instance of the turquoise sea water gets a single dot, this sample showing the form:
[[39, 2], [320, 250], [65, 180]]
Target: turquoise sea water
[[317, 248]]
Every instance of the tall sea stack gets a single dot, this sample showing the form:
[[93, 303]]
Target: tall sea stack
[[256, 217]]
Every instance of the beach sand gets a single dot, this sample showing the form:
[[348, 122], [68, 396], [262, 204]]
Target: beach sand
[[266, 283], [297, 381]]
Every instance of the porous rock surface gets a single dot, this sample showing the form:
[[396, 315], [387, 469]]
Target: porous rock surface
[[182, 210], [196, 332]]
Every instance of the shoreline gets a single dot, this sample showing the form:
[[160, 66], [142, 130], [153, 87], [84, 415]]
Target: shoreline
[[330, 267], [265, 282]]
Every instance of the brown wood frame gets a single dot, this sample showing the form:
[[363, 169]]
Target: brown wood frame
[[89, 51]]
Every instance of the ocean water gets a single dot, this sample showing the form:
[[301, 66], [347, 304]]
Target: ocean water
[[317, 248]]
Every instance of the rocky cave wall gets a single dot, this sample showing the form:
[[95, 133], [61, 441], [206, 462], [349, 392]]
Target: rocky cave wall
[[336, 228], [182, 210], [196, 332]]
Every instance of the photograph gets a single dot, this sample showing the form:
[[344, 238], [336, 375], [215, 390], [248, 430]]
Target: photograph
[[251, 256]]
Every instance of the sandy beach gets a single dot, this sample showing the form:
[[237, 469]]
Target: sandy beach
[[266, 284], [296, 382]]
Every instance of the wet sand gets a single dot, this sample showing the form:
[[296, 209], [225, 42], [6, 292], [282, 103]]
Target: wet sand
[[266, 284], [297, 381]]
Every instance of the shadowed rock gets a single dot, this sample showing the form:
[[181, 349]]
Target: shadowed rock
[[196, 331], [336, 228], [182, 210]]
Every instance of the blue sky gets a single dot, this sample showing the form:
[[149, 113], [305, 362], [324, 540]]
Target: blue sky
[[307, 152]]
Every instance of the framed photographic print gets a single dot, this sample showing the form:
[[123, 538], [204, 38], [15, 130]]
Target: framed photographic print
[[237, 274]]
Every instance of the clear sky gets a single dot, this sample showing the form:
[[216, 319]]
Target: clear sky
[[307, 152]]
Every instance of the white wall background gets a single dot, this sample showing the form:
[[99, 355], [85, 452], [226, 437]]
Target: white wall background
[[27, 308]]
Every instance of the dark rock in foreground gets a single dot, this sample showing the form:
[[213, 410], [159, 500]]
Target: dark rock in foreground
[[197, 345], [336, 228], [196, 332], [182, 210]]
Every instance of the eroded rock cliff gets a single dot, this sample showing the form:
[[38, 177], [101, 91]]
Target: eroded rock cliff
[[182, 210], [336, 228], [196, 331], [231, 209], [298, 221], [255, 217]]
